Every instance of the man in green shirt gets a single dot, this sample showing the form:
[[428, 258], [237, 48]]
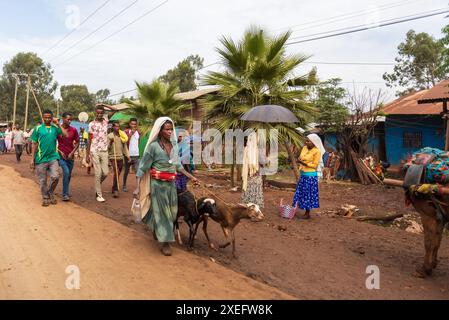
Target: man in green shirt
[[45, 155]]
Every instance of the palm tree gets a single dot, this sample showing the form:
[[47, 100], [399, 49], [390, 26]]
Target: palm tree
[[258, 71], [156, 99]]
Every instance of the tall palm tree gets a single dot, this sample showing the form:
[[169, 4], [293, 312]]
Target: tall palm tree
[[156, 99], [258, 71]]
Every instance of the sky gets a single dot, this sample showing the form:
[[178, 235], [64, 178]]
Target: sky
[[177, 28]]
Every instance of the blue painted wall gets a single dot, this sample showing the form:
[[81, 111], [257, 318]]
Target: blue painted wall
[[330, 141], [431, 128]]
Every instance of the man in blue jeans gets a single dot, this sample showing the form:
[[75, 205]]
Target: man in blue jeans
[[67, 147]]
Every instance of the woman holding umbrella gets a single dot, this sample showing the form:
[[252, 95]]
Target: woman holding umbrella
[[306, 195]]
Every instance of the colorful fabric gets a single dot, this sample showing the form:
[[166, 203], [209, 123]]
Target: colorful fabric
[[46, 138], [254, 191], [436, 164], [307, 193], [164, 176], [65, 144], [99, 133]]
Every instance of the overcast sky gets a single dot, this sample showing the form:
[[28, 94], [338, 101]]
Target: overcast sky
[[179, 28]]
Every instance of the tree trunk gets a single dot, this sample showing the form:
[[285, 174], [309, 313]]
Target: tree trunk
[[292, 159]]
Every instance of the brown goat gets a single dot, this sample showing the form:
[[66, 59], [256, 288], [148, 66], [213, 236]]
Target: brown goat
[[229, 216]]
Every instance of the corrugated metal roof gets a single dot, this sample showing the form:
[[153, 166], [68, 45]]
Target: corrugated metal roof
[[192, 95], [409, 105], [438, 93]]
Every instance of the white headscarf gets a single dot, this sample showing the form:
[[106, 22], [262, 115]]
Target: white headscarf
[[316, 140], [145, 190]]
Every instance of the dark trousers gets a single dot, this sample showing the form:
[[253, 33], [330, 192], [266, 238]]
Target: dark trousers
[[134, 163], [67, 167], [116, 174], [19, 151]]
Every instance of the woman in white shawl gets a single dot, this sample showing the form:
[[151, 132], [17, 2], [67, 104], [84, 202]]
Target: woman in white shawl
[[252, 185], [306, 194], [156, 182]]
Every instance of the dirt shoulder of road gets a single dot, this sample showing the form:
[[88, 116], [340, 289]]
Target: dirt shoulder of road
[[37, 245]]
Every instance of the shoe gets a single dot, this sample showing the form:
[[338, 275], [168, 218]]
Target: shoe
[[115, 194], [100, 199], [65, 198], [124, 189], [166, 249], [53, 200], [45, 203]]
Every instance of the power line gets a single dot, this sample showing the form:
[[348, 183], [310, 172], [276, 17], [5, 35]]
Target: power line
[[114, 33], [352, 63], [367, 28], [363, 25], [132, 90], [80, 25], [96, 30], [353, 15]]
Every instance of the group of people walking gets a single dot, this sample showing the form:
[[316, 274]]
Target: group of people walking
[[162, 170]]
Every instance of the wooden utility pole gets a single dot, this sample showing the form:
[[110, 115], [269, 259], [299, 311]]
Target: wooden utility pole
[[26, 103], [446, 117], [15, 100]]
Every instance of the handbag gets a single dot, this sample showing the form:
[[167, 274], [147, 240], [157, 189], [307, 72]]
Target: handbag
[[286, 211]]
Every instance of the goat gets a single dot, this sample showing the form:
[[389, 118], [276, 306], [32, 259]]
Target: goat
[[193, 213], [229, 217]]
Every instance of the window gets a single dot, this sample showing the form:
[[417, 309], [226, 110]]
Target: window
[[412, 140]]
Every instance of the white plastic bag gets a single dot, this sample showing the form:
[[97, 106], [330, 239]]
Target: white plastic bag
[[136, 211]]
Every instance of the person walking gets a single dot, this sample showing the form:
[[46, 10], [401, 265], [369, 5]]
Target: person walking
[[2, 141], [118, 155], [8, 139], [307, 193], [252, 181], [186, 158], [67, 147], [28, 142], [18, 140], [45, 155], [97, 150], [133, 133], [156, 181]]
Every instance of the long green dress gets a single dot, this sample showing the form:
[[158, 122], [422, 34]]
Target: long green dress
[[164, 199]]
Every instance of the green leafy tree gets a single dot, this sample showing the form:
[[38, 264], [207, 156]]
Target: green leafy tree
[[102, 96], [76, 99], [184, 74], [329, 100], [258, 71], [156, 99], [420, 64], [41, 80]]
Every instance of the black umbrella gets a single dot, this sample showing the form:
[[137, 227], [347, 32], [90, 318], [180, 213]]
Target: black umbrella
[[270, 113]]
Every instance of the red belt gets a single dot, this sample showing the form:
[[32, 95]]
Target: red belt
[[164, 176]]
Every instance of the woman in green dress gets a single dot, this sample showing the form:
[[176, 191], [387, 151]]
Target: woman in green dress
[[156, 182]]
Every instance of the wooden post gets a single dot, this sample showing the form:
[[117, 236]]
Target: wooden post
[[26, 104], [446, 146], [15, 100]]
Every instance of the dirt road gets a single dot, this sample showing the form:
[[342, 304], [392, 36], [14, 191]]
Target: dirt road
[[325, 258], [37, 245]]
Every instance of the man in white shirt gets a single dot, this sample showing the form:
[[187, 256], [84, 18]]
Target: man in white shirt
[[134, 136]]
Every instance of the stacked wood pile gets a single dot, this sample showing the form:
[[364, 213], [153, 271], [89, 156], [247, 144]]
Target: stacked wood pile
[[365, 174]]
